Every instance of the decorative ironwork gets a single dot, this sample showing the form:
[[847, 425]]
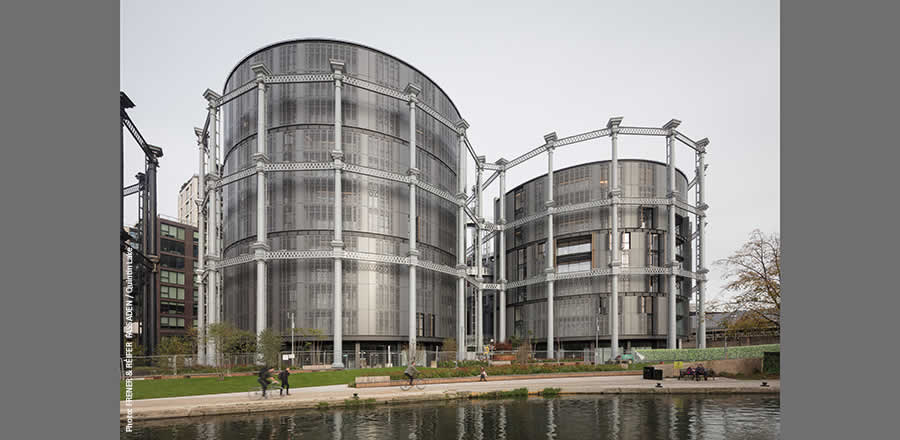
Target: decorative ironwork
[[582, 137], [292, 78], [378, 173], [298, 166], [232, 95], [377, 88], [437, 191], [526, 156], [234, 177], [436, 115], [644, 131]]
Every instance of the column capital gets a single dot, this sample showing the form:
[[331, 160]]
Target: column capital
[[613, 124], [260, 159], [701, 146], [615, 194], [210, 258], [549, 270], [462, 267], [413, 173], [672, 195], [260, 70], [550, 140], [549, 204], [412, 92], [461, 197], [671, 126], [703, 207], [501, 221], [337, 68], [212, 98], [413, 257], [461, 127], [199, 133], [336, 155], [259, 246], [337, 244]]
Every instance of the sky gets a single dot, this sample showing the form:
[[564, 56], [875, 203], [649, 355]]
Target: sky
[[516, 70]]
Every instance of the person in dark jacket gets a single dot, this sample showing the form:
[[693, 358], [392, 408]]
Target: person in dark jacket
[[283, 377], [411, 372], [264, 375]]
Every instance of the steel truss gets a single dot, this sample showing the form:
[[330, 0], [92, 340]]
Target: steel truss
[[486, 231]]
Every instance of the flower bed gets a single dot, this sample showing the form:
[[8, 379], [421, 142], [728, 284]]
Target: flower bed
[[514, 369]]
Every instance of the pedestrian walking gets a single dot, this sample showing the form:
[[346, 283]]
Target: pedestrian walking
[[283, 377], [483, 375]]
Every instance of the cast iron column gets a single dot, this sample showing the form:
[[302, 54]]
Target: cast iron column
[[261, 246], [615, 262], [701, 241], [501, 278], [550, 140], [479, 267], [199, 271], [337, 244], [671, 334], [212, 255], [412, 91], [461, 127]]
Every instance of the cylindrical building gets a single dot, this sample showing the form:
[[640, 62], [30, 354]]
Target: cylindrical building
[[374, 211], [582, 243]]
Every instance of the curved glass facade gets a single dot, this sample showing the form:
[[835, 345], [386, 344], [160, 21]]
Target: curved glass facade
[[582, 243], [300, 204]]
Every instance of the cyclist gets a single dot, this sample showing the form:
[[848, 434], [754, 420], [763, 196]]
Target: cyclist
[[264, 375], [411, 372]]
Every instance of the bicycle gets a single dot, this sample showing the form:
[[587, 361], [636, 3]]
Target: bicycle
[[417, 383]]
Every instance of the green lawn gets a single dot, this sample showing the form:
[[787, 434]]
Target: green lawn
[[150, 389]]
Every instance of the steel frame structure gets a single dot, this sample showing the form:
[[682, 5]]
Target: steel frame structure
[[147, 214], [469, 208]]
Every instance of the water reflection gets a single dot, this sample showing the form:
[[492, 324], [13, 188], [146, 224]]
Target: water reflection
[[625, 417]]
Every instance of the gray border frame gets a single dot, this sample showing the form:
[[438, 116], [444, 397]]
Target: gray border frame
[[59, 182], [839, 99]]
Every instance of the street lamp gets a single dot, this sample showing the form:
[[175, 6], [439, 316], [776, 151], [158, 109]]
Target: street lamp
[[293, 356]]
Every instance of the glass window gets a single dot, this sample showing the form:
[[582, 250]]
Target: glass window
[[171, 292], [171, 308], [171, 261], [168, 276], [626, 259], [172, 246], [171, 231], [626, 241], [647, 218], [576, 246], [574, 267], [171, 322]]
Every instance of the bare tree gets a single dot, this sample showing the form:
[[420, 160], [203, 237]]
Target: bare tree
[[753, 273]]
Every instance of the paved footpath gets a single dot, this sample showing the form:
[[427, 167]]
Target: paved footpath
[[335, 395]]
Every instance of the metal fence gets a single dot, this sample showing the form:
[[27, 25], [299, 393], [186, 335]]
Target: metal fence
[[187, 364]]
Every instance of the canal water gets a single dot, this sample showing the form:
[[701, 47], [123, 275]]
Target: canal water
[[736, 417]]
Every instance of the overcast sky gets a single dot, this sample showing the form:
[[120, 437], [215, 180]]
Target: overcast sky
[[515, 70]]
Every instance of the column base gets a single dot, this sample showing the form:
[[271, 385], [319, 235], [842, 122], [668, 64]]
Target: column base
[[339, 365]]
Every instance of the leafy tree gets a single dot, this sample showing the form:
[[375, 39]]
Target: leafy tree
[[269, 346], [449, 345], [753, 274]]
